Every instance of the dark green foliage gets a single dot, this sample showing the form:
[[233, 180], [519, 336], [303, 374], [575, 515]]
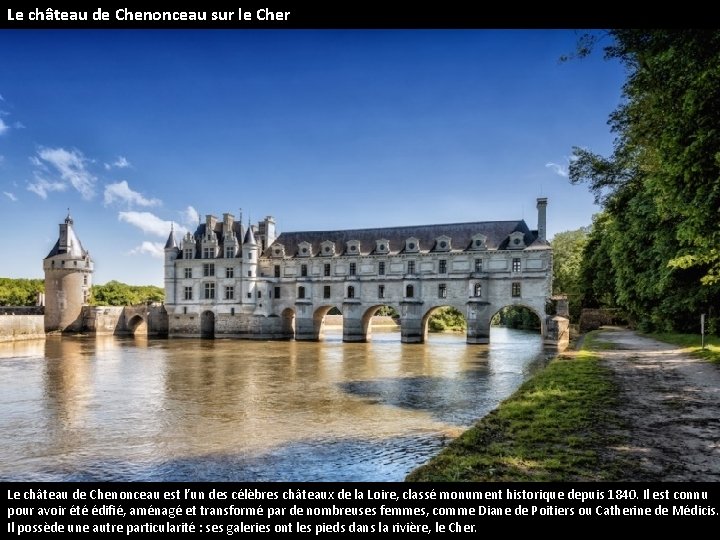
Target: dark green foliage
[[568, 249], [20, 292], [655, 251], [517, 317], [447, 318], [114, 293]]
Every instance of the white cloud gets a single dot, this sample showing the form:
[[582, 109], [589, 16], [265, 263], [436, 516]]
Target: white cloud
[[72, 168], [149, 223], [154, 249], [19, 125], [42, 187], [3, 127], [190, 217], [10, 196], [2, 98], [121, 192], [120, 163], [558, 169]]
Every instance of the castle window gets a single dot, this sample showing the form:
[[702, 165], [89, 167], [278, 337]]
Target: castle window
[[301, 292], [277, 292], [62, 263], [188, 293], [478, 265], [409, 291], [351, 292], [232, 311], [353, 269], [229, 272], [85, 279], [208, 253], [249, 273], [209, 291], [185, 311], [188, 253], [516, 289], [303, 270], [326, 291], [250, 256], [229, 293], [249, 295], [442, 266], [442, 291], [259, 294], [381, 291], [188, 273], [208, 270], [326, 269], [477, 289], [411, 267], [516, 265], [229, 252], [381, 268], [277, 270], [74, 263]]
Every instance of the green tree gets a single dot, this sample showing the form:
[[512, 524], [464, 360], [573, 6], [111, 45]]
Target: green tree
[[568, 248], [20, 292], [660, 188], [114, 293]]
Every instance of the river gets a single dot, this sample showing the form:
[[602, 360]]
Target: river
[[138, 409]]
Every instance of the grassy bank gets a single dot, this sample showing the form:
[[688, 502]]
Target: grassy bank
[[691, 342], [554, 428]]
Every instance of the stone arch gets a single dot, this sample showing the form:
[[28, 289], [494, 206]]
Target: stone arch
[[288, 323], [207, 324], [319, 319], [137, 326], [369, 314], [433, 309], [535, 311]]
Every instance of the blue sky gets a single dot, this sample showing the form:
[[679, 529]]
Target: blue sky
[[330, 129]]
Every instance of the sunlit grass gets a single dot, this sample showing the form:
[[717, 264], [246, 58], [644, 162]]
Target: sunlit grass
[[691, 342], [558, 426]]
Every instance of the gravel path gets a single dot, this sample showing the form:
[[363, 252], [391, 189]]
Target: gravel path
[[672, 404]]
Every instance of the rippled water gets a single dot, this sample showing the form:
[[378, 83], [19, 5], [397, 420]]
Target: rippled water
[[133, 409]]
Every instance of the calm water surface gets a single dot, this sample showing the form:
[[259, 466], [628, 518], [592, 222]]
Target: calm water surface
[[133, 409]]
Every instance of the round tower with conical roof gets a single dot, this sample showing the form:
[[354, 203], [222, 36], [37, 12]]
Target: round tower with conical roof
[[68, 279]]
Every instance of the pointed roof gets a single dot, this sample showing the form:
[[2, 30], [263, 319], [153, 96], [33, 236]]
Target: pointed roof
[[249, 237], [171, 243], [68, 242]]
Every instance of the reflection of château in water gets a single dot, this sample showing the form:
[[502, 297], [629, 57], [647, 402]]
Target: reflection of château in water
[[227, 280]]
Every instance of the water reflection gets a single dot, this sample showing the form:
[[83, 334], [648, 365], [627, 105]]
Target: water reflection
[[138, 409]]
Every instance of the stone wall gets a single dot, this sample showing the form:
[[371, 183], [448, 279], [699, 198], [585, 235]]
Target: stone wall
[[21, 327]]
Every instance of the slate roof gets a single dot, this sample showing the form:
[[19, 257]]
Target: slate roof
[[199, 233], [461, 234], [76, 248]]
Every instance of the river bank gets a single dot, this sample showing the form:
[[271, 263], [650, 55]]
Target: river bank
[[624, 407]]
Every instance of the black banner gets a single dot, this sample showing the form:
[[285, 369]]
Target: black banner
[[322, 508]]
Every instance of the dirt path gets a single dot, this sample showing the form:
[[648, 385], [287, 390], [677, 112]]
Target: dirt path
[[672, 403]]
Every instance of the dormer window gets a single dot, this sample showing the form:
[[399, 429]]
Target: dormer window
[[278, 251], [304, 249], [382, 246], [352, 247], [442, 243], [479, 242], [517, 240], [412, 245], [327, 249]]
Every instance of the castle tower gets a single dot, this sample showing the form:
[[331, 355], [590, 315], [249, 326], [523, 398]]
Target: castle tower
[[250, 255], [542, 219], [68, 278], [171, 253]]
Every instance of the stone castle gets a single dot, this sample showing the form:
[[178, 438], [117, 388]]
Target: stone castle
[[228, 280]]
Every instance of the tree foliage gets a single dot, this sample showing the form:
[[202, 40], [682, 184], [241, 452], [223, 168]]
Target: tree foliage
[[568, 249], [20, 292], [655, 250], [114, 293], [518, 317], [447, 319]]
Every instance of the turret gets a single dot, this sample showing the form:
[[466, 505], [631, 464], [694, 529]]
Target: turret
[[68, 281], [171, 254], [250, 255]]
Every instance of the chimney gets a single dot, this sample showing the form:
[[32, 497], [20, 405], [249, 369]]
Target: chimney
[[542, 225]]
